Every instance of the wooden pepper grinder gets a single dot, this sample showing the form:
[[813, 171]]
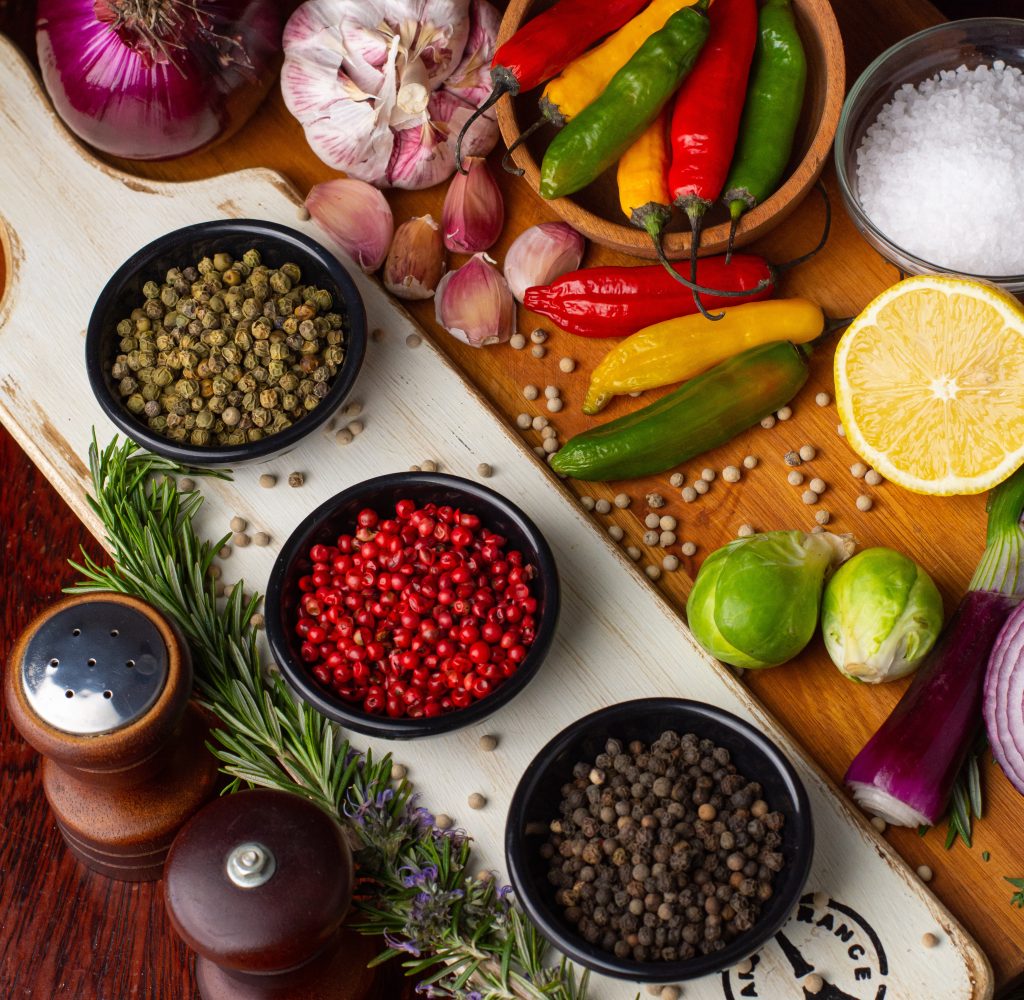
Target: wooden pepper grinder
[[259, 883], [100, 686]]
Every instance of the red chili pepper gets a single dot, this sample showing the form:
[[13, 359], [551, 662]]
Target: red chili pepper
[[618, 301], [706, 115], [546, 44]]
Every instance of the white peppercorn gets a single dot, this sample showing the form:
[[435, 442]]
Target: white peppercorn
[[670, 993], [858, 470], [768, 422], [443, 821], [256, 620], [676, 479], [841, 430], [538, 350], [688, 548], [539, 423], [602, 506], [186, 484], [817, 485], [814, 984], [268, 480], [873, 478], [398, 772], [822, 517], [567, 365], [744, 531], [488, 743], [929, 940], [344, 436], [878, 823], [652, 521], [809, 496], [864, 502], [650, 538], [530, 392], [792, 458], [807, 452], [653, 572], [549, 445], [701, 486], [655, 500], [517, 342], [538, 450], [795, 478], [667, 538], [785, 413], [429, 465], [689, 494], [750, 462], [622, 500], [615, 532], [667, 523], [670, 563], [548, 432], [238, 523], [484, 470], [708, 475], [587, 503], [555, 405], [413, 340], [538, 336], [356, 428], [817, 530], [823, 399], [476, 800], [552, 392], [731, 474], [633, 552], [224, 552], [523, 421], [924, 873]]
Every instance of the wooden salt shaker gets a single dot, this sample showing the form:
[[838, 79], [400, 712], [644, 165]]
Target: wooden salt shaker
[[259, 883], [100, 685]]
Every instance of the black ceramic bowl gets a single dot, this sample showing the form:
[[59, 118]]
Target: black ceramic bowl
[[537, 798], [337, 516], [276, 245]]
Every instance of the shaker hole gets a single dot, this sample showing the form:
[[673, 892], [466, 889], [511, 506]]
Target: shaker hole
[[55, 662], [91, 662], [108, 694], [114, 633], [69, 694], [129, 664], [76, 632]]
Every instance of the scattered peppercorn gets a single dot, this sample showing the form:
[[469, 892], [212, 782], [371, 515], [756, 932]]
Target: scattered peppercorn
[[667, 522], [615, 532], [476, 800], [688, 548], [651, 537], [823, 399], [398, 772], [523, 421], [442, 821], [257, 621], [413, 340], [670, 563], [750, 462], [924, 873], [817, 486], [484, 470], [814, 984], [552, 392], [858, 470], [652, 521], [633, 552], [567, 365], [238, 523], [296, 479], [689, 494], [744, 531], [538, 350], [655, 501], [429, 465], [656, 854], [808, 452], [622, 500], [929, 940], [653, 572], [587, 503], [488, 743], [864, 502], [822, 517], [540, 422], [555, 405], [795, 478], [530, 392], [224, 551], [809, 496], [228, 352], [731, 474], [701, 486], [708, 475], [261, 538], [676, 479], [538, 336], [785, 413], [241, 539], [344, 436], [602, 506], [667, 538], [517, 342], [878, 823], [872, 478], [768, 422], [792, 458], [186, 484], [355, 428]]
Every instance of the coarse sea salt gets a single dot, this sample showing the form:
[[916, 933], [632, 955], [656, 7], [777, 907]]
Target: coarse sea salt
[[941, 171]]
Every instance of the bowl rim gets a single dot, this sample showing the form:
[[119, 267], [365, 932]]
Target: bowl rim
[[596, 959], [218, 455], [852, 201], [385, 727], [771, 212]]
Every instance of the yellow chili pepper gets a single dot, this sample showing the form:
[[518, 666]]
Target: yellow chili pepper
[[582, 81], [679, 349], [642, 178]]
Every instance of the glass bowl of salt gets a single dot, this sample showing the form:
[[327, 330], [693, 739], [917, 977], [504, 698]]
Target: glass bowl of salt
[[930, 152]]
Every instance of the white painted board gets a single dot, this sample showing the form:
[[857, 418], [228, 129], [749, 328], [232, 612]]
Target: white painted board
[[63, 214]]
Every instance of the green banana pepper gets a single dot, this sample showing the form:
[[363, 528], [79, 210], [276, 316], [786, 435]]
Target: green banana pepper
[[595, 139], [700, 415]]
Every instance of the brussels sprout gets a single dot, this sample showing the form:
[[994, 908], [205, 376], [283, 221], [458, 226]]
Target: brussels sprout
[[755, 601], [880, 615]]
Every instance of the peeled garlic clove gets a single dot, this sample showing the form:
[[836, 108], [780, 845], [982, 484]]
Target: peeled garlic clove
[[415, 261], [473, 212], [541, 254], [355, 215], [474, 303]]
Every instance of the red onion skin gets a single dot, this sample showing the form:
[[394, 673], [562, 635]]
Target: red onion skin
[[1004, 718], [110, 91], [916, 754]]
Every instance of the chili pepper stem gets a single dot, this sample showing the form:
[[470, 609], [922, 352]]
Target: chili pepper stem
[[703, 289], [737, 206], [523, 136], [695, 208], [502, 82], [826, 230]]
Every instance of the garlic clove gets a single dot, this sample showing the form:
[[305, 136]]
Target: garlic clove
[[541, 254], [474, 211], [474, 303], [415, 261], [356, 216]]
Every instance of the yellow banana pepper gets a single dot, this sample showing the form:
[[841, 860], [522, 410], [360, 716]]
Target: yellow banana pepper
[[642, 178], [583, 80], [679, 349]]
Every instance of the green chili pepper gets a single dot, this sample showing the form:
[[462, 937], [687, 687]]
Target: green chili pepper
[[595, 139], [775, 96], [700, 415]]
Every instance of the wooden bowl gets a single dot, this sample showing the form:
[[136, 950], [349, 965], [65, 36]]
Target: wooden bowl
[[595, 210]]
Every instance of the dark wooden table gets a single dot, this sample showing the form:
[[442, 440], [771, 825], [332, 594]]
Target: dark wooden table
[[63, 932]]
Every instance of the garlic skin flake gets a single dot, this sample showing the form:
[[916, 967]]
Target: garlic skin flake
[[355, 215], [369, 81], [474, 303], [541, 254], [474, 210], [415, 261]]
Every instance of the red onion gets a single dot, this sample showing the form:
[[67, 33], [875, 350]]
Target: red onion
[[154, 79], [1004, 699]]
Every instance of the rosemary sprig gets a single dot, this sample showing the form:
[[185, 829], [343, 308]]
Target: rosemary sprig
[[1017, 899], [462, 935]]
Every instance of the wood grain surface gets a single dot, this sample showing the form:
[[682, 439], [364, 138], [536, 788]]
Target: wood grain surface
[[112, 941]]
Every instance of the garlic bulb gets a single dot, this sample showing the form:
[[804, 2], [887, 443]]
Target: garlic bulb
[[383, 87], [356, 215], [415, 261], [540, 254], [474, 303], [474, 211]]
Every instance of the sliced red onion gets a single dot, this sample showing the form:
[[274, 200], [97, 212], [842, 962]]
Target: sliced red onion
[[1003, 703]]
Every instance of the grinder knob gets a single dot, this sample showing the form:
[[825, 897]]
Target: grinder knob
[[100, 686], [259, 884]]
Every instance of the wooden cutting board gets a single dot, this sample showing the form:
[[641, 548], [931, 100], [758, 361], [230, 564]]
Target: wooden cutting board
[[67, 221]]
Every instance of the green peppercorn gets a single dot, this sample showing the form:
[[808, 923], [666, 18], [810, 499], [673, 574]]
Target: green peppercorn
[[136, 403], [151, 290]]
